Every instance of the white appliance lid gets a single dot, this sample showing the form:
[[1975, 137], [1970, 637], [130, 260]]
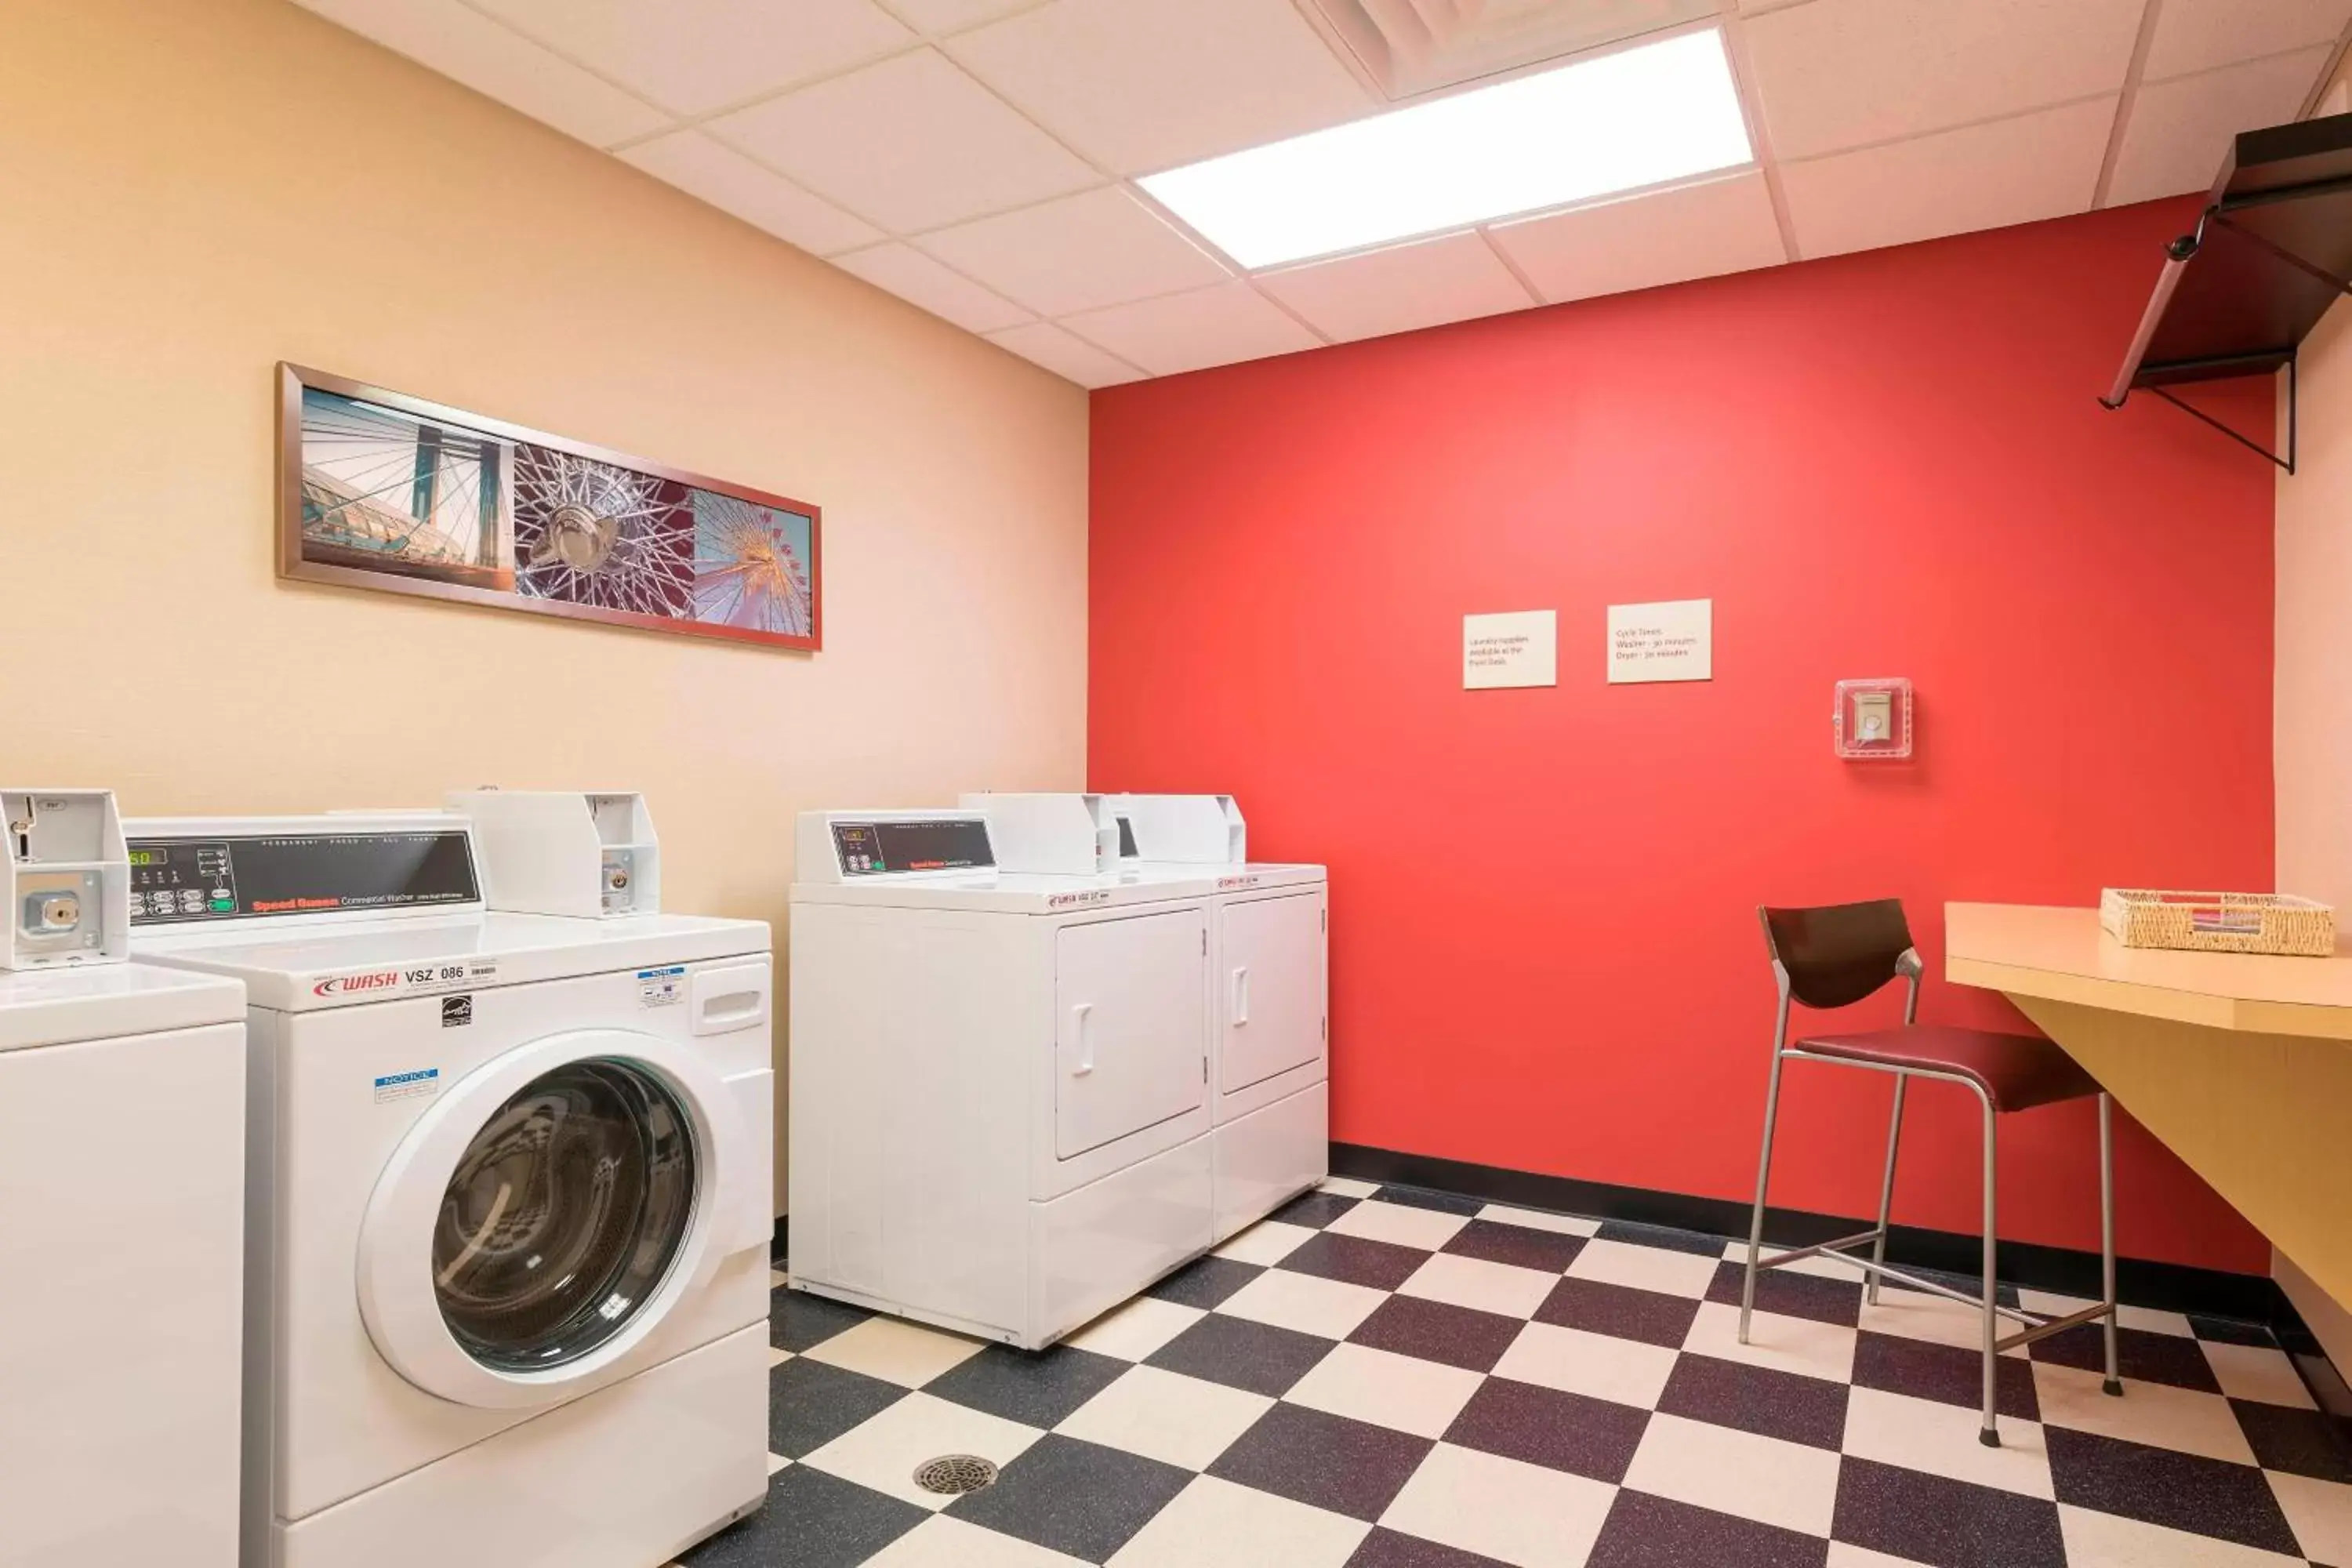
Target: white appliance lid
[[106, 1001], [1015, 892], [300, 969]]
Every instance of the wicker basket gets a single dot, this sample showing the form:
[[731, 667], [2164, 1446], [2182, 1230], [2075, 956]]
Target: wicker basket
[[2219, 922]]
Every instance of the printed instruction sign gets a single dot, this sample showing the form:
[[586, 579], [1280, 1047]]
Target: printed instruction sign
[[1669, 641], [1520, 649]]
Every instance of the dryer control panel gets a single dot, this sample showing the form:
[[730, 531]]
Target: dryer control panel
[[942, 844], [228, 877]]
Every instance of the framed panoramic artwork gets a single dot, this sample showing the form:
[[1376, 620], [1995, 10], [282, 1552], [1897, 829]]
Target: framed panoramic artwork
[[378, 490]]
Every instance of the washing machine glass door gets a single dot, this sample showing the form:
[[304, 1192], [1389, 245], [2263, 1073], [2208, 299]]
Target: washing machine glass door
[[547, 1214], [565, 1215]]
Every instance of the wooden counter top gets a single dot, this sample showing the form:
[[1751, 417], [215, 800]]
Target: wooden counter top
[[2061, 955]]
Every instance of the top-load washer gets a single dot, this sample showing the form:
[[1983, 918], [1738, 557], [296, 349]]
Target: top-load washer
[[1268, 945], [508, 1185], [1000, 1081], [121, 1209]]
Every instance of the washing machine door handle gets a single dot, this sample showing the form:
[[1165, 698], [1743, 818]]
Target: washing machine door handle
[[399, 1296]]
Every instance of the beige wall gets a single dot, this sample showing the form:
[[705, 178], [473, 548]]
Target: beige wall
[[193, 191]]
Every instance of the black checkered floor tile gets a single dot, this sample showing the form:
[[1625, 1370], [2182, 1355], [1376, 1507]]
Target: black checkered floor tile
[[1391, 1378]]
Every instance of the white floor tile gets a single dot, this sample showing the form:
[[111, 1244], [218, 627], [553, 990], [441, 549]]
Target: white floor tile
[[1136, 1331], [1535, 1219], [1941, 1440], [1734, 1472], [2155, 1414], [2320, 1514], [1514, 1512], [1399, 1222], [883, 1453], [2047, 1304], [1917, 1315], [2111, 1541], [1348, 1187], [1214, 1521], [1166, 1415], [895, 1350], [2257, 1372], [1401, 1391], [1656, 1269], [1782, 1345], [943, 1543], [1844, 1556], [1266, 1243], [778, 1355], [1307, 1302], [777, 1279], [1621, 1371], [1474, 1282], [776, 1462]]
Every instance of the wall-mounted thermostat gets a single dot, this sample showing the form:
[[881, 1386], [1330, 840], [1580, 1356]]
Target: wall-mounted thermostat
[[1873, 718]]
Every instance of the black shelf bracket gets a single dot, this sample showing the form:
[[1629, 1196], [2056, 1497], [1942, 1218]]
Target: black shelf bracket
[[2243, 439]]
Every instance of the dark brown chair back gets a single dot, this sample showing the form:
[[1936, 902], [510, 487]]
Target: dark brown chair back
[[1838, 954]]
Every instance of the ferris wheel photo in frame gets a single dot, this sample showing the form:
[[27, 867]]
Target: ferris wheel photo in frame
[[379, 489]]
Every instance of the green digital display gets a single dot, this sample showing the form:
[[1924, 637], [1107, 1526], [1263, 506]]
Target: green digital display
[[151, 858]]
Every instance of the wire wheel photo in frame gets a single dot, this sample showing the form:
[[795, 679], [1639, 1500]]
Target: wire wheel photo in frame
[[587, 532], [752, 566], [386, 491]]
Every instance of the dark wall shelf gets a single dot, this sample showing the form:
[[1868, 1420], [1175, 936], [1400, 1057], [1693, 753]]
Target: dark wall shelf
[[2271, 251]]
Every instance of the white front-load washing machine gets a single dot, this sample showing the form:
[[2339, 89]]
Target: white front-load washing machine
[[508, 1200]]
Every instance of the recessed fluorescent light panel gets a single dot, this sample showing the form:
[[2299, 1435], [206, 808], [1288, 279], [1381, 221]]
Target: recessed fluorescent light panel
[[1638, 117]]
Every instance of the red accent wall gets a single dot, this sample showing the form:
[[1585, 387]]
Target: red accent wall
[[1544, 946]]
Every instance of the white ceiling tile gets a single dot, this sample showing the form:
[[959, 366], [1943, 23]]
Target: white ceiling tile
[[1099, 248], [909, 143], [2179, 131], [1144, 85], [1071, 358], [1985, 176], [1177, 333], [919, 280], [1836, 74], [494, 60], [2196, 35], [1640, 242], [1400, 289], [695, 55], [939, 17], [732, 182]]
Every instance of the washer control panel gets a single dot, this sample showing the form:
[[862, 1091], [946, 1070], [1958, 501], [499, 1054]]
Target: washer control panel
[[207, 878]]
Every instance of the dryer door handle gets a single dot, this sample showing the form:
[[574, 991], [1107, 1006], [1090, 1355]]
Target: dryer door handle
[[1079, 1016], [1241, 995]]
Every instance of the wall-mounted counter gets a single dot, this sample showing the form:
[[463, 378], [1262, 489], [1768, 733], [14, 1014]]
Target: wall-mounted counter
[[2241, 1063]]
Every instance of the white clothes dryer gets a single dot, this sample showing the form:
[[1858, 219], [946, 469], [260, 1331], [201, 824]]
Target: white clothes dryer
[[508, 1200], [1269, 923], [1000, 1082]]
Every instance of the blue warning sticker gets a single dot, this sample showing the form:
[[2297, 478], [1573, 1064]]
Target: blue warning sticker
[[415, 1085]]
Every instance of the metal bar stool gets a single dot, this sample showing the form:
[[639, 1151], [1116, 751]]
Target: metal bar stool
[[1834, 956]]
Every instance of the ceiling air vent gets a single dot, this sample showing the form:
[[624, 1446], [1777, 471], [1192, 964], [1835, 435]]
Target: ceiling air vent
[[1406, 48]]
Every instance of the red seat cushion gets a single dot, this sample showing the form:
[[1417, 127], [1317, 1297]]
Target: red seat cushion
[[2018, 1072]]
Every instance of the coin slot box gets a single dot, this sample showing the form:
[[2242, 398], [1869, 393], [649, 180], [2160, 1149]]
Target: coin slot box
[[66, 877], [565, 852]]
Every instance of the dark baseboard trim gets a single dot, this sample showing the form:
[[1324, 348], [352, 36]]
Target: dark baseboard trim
[[2165, 1286], [777, 1251]]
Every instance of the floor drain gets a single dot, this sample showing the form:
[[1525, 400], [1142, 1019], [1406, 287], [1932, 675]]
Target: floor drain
[[952, 1475]]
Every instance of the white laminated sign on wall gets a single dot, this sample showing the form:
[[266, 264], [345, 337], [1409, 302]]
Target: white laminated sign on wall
[[1519, 649], [1670, 641]]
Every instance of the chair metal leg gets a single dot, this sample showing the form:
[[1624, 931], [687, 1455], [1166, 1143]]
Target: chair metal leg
[[1763, 1178], [1887, 1187], [1990, 1434], [2115, 1383]]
